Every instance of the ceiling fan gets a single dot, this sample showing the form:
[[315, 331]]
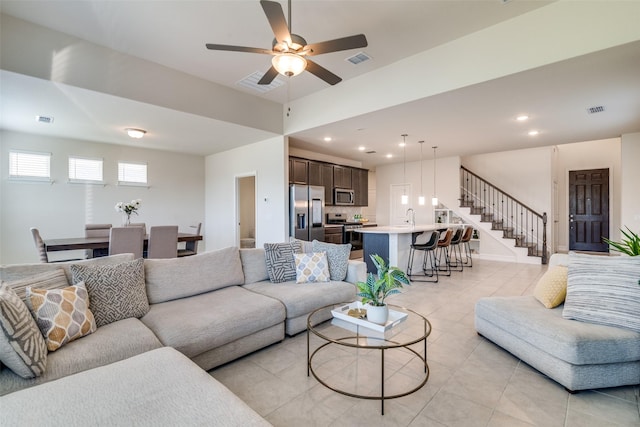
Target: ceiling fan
[[290, 51]]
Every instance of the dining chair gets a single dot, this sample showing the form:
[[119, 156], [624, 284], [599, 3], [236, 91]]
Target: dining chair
[[37, 239], [191, 248], [427, 245], [163, 242], [139, 224], [42, 251], [125, 240], [97, 230]]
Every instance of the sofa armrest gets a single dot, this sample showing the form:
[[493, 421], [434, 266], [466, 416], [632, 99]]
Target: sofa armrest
[[356, 271]]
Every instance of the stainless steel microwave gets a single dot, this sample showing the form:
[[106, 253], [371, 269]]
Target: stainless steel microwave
[[343, 196]]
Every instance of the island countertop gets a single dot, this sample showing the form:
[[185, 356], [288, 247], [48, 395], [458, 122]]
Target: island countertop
[[405, 229]]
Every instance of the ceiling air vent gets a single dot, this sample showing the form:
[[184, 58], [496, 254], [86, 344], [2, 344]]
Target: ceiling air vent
[[251, 82], [358, 58], [371, 152], [597, 109], [44, 119]]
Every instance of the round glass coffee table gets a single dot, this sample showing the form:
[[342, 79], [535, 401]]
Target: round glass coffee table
[[349, 351]]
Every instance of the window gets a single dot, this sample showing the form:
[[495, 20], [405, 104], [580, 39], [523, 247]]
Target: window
[[132, 173], [29, 165], [85, 169]]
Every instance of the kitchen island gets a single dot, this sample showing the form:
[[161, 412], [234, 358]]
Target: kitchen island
[[393, 242]]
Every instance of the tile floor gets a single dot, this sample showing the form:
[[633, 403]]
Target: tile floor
[[472, 382]]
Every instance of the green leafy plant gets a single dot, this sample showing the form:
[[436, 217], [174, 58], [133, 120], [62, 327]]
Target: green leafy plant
[[629, 246], [379, 286]]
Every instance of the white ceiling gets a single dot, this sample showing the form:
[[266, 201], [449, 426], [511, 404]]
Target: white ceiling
[[173, 34]]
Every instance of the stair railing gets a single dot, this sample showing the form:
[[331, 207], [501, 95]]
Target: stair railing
[[517, 220]]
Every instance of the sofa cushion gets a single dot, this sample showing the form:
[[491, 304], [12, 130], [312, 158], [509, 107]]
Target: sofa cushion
[[254, 265], [21, 271], [54, 279], [174, 278], [22, 347], [62, 315], [115, 341], [202, 322], [338, 256], [551, 289], [578, 343], [280, 263], [301, 300], [311, 267], [131, 392], [604, 290], [116, 291]]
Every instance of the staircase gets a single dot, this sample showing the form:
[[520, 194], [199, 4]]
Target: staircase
[[504, 217]]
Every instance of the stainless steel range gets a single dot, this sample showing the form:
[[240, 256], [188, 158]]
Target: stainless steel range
[[349, 233]]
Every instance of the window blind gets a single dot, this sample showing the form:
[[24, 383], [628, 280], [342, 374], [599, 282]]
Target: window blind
[[85, 169], [132, 172], [31, 165]]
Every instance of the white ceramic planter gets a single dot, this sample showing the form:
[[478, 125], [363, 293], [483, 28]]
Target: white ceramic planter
[[378, 315]]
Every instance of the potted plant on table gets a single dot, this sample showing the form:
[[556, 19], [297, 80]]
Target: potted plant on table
[[378, 287]]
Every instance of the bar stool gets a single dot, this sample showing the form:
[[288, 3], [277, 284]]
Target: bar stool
[[443, 250], [455, 251], [428, 247], [466, 238]]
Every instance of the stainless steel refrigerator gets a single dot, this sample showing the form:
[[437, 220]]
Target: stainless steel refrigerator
[[306, 212]]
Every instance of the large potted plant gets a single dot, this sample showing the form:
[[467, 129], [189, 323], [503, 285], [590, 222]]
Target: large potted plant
[[629, 246], [378, 287]]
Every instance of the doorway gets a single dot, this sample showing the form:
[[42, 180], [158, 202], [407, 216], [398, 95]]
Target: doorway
[[246, 211], [588, 210]]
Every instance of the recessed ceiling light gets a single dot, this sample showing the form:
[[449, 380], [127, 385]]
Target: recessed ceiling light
[[389, 156], [362, 148], [522, 118], [533, 132], [135, 133], [402, 144], [327, 139]]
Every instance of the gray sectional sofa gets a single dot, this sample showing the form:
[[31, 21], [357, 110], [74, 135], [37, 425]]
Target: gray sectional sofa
[[204, 310], [577, 354]]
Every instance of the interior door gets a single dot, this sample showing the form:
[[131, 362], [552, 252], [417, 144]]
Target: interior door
[[588, 210]]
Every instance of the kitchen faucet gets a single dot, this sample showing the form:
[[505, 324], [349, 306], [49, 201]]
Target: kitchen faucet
[[412, 218]]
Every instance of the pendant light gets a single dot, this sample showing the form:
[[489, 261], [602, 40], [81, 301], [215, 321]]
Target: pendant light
[[421, 197], [404, 199], [434, 199]]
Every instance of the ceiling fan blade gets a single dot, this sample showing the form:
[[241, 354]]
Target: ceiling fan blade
[[322, 73], [345, 43], [231, 48], [276, 18], [268, 76]]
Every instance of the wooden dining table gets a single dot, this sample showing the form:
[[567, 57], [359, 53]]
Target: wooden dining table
[[92, 243]]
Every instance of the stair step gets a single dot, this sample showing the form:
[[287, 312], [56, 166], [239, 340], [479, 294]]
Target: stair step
[[486, 217], [507, 232], [497, 225], [466, 203], [476, 211]]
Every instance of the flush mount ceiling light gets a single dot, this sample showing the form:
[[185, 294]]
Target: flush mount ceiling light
[[135, 133], [289, 64]]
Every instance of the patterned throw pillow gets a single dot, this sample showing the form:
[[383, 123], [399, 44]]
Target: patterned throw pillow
[[312, 267], [280, 263], [117, 291], [603, 290], [551, 289], [55, 279], [338, 256], [22, 348], [62, 315]]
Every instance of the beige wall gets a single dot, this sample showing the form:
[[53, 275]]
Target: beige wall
[[630, 177]]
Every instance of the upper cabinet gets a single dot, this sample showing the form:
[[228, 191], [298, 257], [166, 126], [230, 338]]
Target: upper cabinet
[[342, 177], [330, 176]]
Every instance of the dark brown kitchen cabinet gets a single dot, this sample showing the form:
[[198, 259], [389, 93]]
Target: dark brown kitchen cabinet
[[360, 181], [321, 173], [333, 235], [298, 171], [342, 177]]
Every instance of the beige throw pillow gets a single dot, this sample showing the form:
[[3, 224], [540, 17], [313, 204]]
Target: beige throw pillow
[[551, 289]]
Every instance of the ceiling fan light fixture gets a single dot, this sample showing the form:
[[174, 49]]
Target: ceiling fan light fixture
[[289, 64]]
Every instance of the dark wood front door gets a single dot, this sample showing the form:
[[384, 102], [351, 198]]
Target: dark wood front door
[[588, 210]]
